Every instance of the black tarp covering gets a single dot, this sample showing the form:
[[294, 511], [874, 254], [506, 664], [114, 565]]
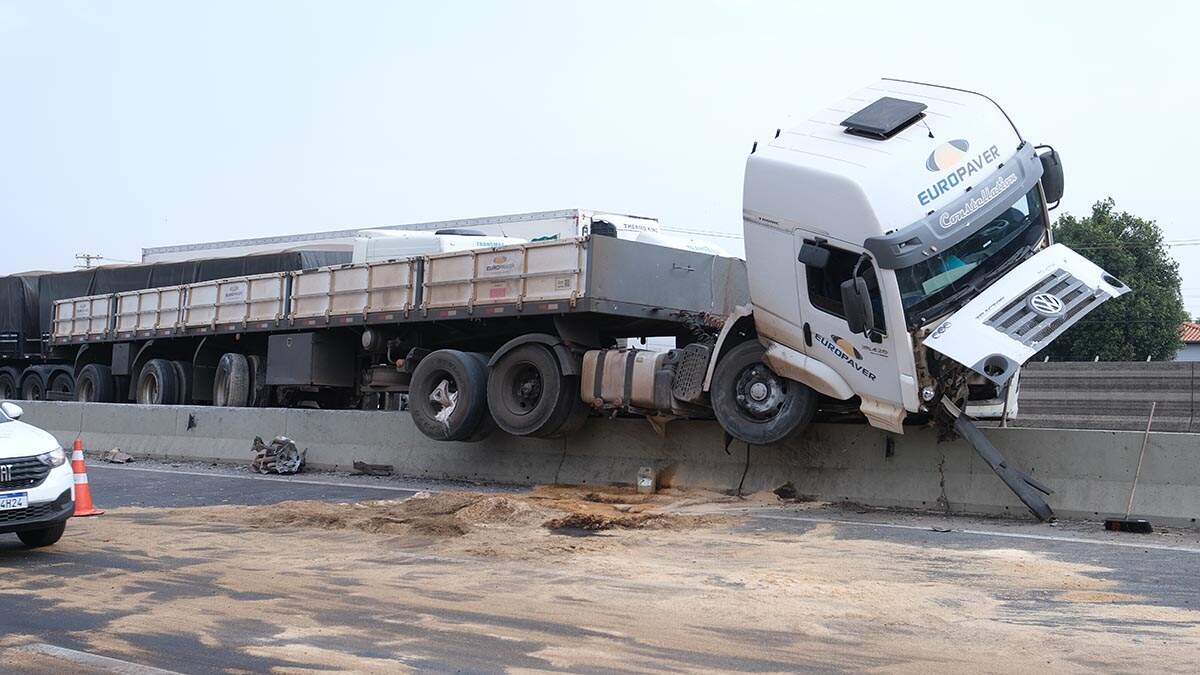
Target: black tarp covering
[[18, 314], [27, 301]]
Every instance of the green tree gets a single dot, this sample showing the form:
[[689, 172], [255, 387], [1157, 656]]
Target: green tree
[[1144, 322]]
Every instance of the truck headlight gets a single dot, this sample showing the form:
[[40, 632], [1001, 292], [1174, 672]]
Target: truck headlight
[[53, 458], [928, 393]]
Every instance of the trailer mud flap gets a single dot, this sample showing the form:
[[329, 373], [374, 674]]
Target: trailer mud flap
[[1026, 487]]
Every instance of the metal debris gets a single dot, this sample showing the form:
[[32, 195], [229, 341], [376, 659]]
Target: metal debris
[[117, 456], [364, 469], [281, 456]]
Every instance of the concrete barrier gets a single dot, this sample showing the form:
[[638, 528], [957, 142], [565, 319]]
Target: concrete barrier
[[1090, 471]]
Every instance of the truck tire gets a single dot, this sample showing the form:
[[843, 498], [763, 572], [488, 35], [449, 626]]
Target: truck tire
[[10, 388], [95, 384], [755, 405], [63, 383], [487, 425], [260, 393], [183, 378], [46, 536], [448, 395], [528, 395], [157, 383], [231, 384], [33, 387]]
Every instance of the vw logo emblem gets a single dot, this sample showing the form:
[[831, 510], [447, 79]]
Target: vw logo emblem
[[1046, 304]]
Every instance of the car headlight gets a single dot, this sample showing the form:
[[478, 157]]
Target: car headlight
[[53, 458]]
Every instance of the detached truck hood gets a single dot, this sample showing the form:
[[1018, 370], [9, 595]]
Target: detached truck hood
[[1023, 311]]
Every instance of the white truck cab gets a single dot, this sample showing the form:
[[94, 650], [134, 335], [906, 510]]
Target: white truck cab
[[37, 487], [898, 250]]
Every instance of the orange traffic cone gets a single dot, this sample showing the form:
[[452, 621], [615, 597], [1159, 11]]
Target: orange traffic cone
[[83, 491]]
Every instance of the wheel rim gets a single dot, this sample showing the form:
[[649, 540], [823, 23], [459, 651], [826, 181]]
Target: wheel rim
[[525, 389], [760, 394], [444, 399], [84, 391], [150, 389]]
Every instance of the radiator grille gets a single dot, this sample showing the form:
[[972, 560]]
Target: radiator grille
[[23, 472], [1022, 323]]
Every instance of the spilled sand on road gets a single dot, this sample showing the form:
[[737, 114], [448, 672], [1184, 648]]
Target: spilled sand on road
[[340, 586], [453, 514]]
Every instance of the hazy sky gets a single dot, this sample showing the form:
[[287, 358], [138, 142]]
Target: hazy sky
[[131, 124]]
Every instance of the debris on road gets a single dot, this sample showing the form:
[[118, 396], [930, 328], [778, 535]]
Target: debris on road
[[281, 456], [117, 456], [365, 469], [452, 514]]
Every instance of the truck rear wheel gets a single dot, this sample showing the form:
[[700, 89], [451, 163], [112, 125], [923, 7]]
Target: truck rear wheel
[[448, 395], [62, 383], [754, 404], [95, 384], [9, 387], [33, 387], [231, 383], [158, 383], [528, 394]]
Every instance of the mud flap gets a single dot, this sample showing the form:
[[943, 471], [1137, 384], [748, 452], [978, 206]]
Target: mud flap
[[1024, 486]]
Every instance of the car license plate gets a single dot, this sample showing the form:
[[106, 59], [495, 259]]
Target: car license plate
[[14, 500]]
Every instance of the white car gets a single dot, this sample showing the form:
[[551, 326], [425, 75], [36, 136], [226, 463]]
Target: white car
[[37, 487]]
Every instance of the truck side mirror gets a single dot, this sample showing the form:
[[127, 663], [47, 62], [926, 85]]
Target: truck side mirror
[[1052, 176], [813, 256], [856, 303]]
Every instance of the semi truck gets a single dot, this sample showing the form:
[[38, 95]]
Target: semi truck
[[30, 369], [898, 256]]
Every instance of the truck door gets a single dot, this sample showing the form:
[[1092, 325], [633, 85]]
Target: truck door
[[869, 366]]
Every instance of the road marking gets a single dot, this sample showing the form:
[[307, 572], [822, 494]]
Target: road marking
[[91, 660], [276, 479], [985, 533]]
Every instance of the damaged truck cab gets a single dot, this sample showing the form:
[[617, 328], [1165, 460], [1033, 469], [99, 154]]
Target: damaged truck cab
[[898, 252]]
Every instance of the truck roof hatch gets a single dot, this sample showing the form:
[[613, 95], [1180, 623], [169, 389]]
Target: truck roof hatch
[[884, 118]]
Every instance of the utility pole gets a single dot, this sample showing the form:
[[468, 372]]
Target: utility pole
[[87, 259]]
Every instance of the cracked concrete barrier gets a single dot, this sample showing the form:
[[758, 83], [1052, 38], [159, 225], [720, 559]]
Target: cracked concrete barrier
[[1090, 471]]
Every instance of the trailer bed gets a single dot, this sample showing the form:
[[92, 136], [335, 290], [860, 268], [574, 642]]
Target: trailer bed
[[599, 275]]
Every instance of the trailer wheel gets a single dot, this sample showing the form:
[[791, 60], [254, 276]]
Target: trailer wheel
[[157, 383], [63, 383], [9, 387], [259, 393], [528, 394], [487, 425], [33, 387], [183, 378], [95, 384], [754, 404], [448, 395], [231, 384]]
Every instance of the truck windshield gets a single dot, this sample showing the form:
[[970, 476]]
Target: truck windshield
[[933, 286]]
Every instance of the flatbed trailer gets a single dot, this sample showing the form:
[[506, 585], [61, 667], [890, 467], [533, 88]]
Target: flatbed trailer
[[353, 335]]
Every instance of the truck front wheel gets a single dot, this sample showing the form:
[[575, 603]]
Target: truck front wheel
[[754, 404], [46, 536]]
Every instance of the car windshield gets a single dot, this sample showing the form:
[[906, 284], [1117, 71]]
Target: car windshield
[[927, 288]]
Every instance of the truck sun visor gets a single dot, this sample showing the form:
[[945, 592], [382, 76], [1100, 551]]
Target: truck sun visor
[[884, 118]]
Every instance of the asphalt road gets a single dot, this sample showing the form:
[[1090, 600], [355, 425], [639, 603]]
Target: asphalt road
[[48, 631]]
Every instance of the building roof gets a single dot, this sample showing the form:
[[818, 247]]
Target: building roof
[[1189, 332]]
